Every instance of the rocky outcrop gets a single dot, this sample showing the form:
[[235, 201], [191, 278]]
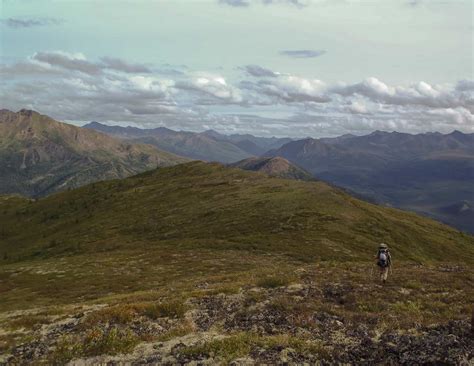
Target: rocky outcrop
[[259, 328]]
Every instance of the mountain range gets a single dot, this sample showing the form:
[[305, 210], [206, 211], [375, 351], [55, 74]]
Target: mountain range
[[208, 145], [39, 155], [430, 173]]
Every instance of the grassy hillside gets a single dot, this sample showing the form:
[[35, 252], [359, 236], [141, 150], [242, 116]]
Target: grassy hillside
[[199, 262], [39, 155], [199, 205]]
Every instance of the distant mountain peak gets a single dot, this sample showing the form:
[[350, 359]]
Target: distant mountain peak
[[39, 155], [93, 124], [377, 132], [212, 133], [28, 112]]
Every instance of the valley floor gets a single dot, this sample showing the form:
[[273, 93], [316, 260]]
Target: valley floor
[[189, 307]]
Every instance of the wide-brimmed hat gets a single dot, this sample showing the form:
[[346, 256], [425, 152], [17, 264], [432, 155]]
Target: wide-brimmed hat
[[383, 245]]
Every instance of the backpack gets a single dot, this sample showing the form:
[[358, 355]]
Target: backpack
[[382, 258]]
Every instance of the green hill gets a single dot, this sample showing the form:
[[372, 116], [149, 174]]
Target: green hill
[[200, 205], [275, 167], [39, 155]]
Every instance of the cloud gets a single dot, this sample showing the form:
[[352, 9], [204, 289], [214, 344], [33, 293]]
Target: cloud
[[420, 93], [69, 86], [458, 116], [213, 86], [465, 85], [259, 71], [74, 62], [288, 89], [58, 62], [357, 107], [30, 22], [28, 68], [302, 53]]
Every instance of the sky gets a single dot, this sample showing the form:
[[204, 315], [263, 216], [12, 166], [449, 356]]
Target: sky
[[292, 68]]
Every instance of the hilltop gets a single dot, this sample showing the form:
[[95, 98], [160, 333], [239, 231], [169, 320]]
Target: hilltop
[[39, 155], [202, 262], [275, 167]]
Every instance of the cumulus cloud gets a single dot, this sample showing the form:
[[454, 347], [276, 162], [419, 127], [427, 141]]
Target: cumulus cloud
[[29, 22], [458, 116], [69, 86], [289, 89], [357, 107], [213, 86], [259, 71], [302, 53], [420, 93]]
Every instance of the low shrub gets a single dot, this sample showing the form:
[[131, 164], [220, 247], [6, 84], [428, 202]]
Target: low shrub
[[96, 342], [173, 309], [240, 345]]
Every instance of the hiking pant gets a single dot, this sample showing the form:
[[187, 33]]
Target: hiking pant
[[383, 273]]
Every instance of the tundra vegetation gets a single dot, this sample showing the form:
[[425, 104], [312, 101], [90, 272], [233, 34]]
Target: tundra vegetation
[[200, 262]]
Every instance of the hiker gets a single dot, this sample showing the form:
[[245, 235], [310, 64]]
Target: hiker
[[384, 261]]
